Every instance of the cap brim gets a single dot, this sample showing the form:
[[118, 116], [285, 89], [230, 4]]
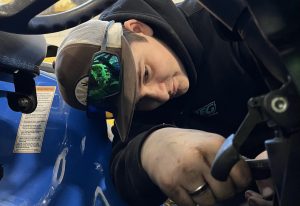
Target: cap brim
[[127, 98]]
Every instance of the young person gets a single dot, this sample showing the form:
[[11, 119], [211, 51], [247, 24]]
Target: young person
[[184, 87]]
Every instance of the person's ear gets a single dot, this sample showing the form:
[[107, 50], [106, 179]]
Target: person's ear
[[138, 27]]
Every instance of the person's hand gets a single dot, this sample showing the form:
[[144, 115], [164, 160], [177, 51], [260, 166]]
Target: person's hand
[[179, 161], [265, 188], [256, 199]]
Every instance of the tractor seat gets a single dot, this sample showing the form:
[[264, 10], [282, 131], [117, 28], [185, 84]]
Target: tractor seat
[[21, 52]]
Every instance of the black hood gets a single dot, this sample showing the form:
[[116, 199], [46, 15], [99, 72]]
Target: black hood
[[169, 25]]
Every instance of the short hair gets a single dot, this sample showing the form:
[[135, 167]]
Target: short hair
[[132, 36]]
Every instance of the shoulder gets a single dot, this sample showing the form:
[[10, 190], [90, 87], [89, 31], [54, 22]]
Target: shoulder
[[190, 7]]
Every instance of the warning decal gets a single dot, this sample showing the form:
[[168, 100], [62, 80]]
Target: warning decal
[[32, 126]]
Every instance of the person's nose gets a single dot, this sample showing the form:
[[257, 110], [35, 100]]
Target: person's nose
[[157, 91]]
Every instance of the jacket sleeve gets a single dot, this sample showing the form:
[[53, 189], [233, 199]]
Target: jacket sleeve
[[128, 175]]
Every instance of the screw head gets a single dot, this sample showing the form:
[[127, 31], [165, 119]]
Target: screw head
[[279, 104], [23, 102]]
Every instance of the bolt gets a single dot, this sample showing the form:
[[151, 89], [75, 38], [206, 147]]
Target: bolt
[[279, 104], [23, 102]]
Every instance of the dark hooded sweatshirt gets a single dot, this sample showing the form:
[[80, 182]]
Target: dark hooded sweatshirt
[[223, 76]]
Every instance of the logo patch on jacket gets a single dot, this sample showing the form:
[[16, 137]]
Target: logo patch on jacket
[[207, 110]]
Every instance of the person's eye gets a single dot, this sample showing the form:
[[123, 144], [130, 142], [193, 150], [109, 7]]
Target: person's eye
[[146, 75]]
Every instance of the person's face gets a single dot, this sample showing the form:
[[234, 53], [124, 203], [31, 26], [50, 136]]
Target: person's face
[[160, 74]]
